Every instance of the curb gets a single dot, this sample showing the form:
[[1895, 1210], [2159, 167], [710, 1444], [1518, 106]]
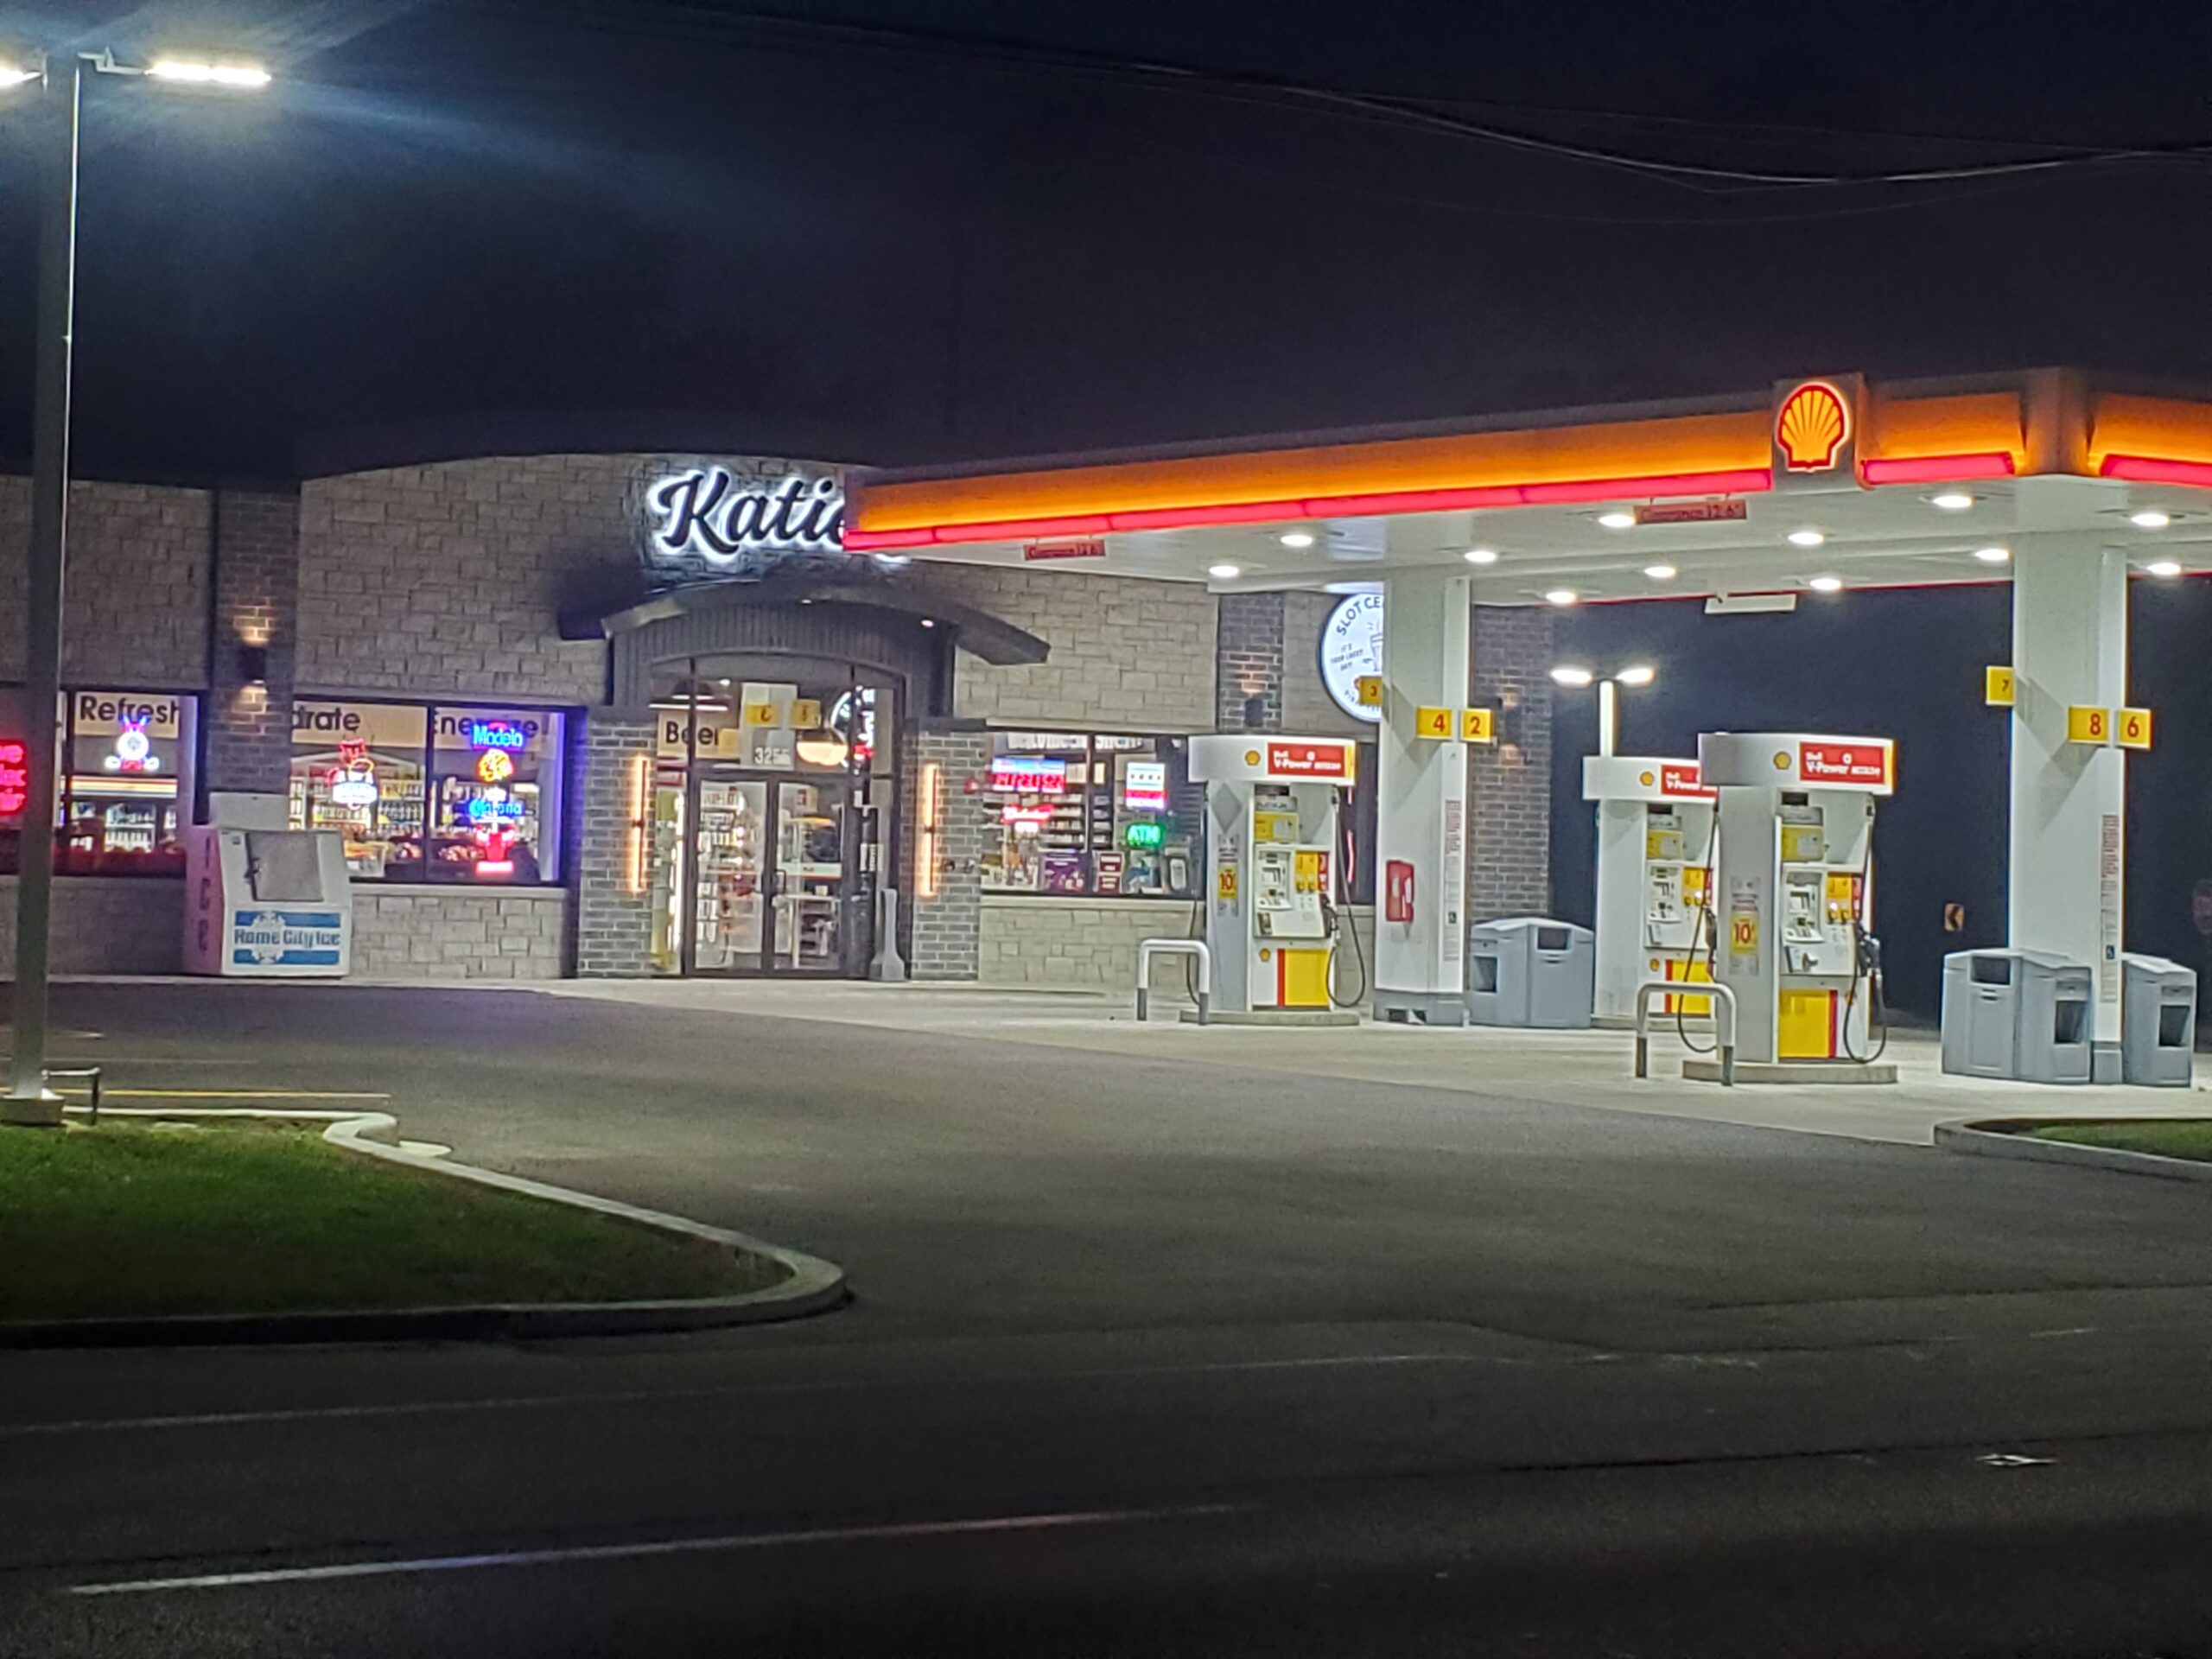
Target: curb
[[2000, 1137], [810, 1284]]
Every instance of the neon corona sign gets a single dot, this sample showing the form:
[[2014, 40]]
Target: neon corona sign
[[1811, 427]]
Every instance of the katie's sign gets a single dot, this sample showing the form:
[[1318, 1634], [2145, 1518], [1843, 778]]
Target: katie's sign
[[712, 520]]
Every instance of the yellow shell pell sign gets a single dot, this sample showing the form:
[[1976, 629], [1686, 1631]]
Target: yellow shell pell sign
[[1997, 686], [1432, 722]]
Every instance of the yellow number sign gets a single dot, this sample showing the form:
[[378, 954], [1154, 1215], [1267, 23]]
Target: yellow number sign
[[1477, 725], [1997, 686], [2132, 727], [1370, 687], [1224, 883], [1432, 722], [760, 714], [2086, 725], [806, 714]]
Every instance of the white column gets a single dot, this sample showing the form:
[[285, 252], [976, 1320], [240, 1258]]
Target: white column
[[2070, 800], [1422, 800]]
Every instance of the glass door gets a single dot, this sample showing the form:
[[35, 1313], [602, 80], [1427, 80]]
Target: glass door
[[731, 880], [814, 876]]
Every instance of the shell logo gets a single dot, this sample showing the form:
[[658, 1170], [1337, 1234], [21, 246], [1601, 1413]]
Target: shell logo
[[1811, 427], [1645, 779], [1782, 760], [1251, 757]]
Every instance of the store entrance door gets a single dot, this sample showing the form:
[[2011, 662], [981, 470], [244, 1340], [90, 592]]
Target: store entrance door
[[774, 877]]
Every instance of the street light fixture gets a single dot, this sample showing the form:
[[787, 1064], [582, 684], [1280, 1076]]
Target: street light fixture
[[28, 1101], [1575, 676]]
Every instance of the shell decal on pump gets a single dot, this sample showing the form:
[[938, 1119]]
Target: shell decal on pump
[[1812, 426]]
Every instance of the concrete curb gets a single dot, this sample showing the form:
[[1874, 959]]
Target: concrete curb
[[810, 1284], [2001, 1137]]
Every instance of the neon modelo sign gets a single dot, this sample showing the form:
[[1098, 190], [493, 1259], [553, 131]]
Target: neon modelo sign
[[737, 523]]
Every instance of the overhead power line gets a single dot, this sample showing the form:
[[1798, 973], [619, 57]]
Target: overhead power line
[[695, 18]]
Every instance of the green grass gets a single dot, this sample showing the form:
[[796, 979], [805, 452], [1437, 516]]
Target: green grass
[[2180, 1137], [142, 1219]]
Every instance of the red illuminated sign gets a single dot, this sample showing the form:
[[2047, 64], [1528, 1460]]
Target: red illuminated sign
[[14, 776], [1309, 760], [1844, 763], [1811, 427], [1690, 513], [1090, 547], [1682, 782]]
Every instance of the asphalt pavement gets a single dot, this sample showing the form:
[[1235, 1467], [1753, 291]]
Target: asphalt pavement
[[1145, 1357]]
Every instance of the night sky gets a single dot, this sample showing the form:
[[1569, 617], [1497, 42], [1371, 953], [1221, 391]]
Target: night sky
[[633, 226], [457, 228]]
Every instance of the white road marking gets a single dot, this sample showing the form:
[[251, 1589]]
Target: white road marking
[[727, 1541], [633, 1396]]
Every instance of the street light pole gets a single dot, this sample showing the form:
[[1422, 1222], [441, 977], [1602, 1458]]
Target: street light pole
[[1609, 716], [28, 1101]]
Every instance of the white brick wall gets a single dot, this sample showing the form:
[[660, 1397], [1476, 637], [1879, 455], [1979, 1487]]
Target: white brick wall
[[139, 564], [1125, 653], [451, 578], [105, 925], [1092, 944], [437, 933]]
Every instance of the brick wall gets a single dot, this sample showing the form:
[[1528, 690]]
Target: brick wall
[[249, 725], [439, 933], [450, 578], [1092, 944], [1088, 943], [1248, 662], [1125, 653], [613, 923], [1509, 851], [136, 585], [105, 925], [941, 932]]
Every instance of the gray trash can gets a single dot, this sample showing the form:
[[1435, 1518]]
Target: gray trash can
[[2157, 1022], [1526, 970], [2023, 1015]]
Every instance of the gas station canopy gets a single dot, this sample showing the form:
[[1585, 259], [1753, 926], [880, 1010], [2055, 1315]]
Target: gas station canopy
[[1827, 482]]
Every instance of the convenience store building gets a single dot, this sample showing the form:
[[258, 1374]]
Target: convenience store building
[[692, 733]]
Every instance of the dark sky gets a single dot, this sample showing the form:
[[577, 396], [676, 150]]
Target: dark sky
[[456, 226]]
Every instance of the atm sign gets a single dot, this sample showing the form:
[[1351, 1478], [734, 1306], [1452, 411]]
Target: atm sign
[[1683, 783], [1309, 760], [1843, 763]]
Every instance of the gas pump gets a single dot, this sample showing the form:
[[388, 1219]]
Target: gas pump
[[1273, 899], [1793, 891], [1656, 838]]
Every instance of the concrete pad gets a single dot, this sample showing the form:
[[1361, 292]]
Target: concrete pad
[[1569, 1068]]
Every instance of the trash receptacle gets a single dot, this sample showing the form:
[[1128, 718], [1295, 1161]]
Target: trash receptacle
[[2157, 1022], [2023, 1015], [1526, 970]]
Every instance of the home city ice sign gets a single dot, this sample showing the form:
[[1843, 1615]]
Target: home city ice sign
[[719, 521]]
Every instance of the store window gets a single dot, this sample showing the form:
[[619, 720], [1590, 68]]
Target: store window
[[447, 792], [1098, 815], [124, 784]]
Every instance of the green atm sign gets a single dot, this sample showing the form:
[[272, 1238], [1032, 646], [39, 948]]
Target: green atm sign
[[1145, 835]]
